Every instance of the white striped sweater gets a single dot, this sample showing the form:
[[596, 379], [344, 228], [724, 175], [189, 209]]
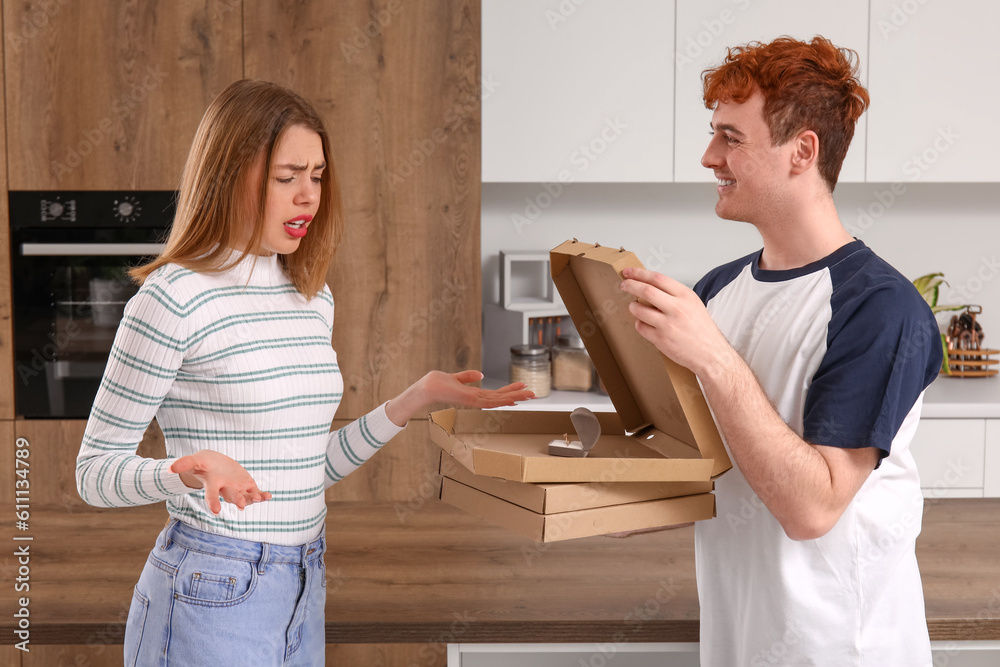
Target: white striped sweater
[[238, 362]]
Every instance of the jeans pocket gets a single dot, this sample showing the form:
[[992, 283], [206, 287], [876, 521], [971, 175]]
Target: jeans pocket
[[214, 581], [134, 626]]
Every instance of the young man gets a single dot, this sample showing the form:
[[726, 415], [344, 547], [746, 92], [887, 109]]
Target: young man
[[813, 354]]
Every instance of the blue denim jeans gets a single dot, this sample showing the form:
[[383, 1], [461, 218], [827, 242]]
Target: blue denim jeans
[[204, 599]]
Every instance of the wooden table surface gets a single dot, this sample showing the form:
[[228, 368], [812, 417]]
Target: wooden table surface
[[431, 573]]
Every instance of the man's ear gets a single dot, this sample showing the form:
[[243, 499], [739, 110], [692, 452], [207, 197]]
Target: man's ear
[[805, 153]]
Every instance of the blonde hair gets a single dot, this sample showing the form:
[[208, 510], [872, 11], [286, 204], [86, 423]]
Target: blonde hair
[[242, 126]]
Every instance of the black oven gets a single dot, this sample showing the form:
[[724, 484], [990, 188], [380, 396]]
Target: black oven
[[69, 255]]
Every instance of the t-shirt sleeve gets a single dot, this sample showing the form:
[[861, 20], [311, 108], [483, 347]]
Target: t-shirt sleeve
[[883, 350]]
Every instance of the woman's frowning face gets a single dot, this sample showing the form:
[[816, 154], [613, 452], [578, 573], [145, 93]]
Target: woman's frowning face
[[293, 190]]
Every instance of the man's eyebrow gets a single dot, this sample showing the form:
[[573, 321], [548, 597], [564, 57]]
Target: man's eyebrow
[[299, 167], [727, 127]]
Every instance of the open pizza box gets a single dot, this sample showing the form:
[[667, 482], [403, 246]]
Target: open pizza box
[[663, 430]]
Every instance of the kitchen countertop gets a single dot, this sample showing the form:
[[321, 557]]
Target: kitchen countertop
[[962, 398], [946, 398], [425, 572]]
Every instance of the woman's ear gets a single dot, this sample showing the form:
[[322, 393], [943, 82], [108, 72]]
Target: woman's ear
[[806, 152]]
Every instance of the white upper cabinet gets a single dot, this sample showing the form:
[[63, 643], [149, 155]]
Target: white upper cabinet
[[935, 79], [577, 91], [706, 29]]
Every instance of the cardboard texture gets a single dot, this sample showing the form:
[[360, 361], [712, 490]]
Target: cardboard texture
[[514, 445], [579, 523], [663, 430], [650, 392], [557, 498]]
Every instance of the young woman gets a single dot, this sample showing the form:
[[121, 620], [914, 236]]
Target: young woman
[[227, 344]]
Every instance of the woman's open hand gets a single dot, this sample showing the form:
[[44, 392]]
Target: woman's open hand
[[219, 475], [453, 389]]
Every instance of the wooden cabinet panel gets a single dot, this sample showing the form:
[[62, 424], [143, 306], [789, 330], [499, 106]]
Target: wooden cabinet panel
[[54, 445], [110, 655], [398, 85], [7, 461], [90, 655], [6, 324], [107, 94], [387, 655]]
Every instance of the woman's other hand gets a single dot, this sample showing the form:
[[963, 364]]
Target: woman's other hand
[[453, 389], [219, 475]]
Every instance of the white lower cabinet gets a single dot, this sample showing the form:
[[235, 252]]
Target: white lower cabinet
[[952, 654], [951, 457]]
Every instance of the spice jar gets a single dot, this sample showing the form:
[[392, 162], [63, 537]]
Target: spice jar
[[530, 364], [572, 369]]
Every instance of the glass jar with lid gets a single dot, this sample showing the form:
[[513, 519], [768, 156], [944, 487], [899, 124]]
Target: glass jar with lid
[[572, 369], [530, 364]]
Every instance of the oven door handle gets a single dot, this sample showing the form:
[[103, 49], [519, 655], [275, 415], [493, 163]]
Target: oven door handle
[[89, 249]]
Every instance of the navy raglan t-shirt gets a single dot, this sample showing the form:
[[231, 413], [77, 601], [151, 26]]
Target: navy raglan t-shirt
[[844, 348]]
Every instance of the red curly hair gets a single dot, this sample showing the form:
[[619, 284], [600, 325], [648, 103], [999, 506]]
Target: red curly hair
[[806, 86]]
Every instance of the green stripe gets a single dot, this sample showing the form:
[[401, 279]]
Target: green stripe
[[203, 298], [244, 526], [138, 484], [282, 464], [106, 445], [253, 346], [367, 434], [118, 483], [128, 393], [345, 446], [293, 495], [259, 375], [117, 422], [331, 473], [248, 408], [272, 317], [147, 331], [273, 434], [158, 474], [141, 365]]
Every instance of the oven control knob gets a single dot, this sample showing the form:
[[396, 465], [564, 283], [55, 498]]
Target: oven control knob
[[127, 209], [56, 209]]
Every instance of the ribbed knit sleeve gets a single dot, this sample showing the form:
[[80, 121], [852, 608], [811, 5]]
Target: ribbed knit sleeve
[[146, 354], [357, 442]]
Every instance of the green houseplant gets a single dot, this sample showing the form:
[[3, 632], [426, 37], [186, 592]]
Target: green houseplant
[[929, 287]]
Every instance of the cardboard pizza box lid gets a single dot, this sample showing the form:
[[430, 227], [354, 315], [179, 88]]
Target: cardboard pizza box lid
[[650, 392]]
